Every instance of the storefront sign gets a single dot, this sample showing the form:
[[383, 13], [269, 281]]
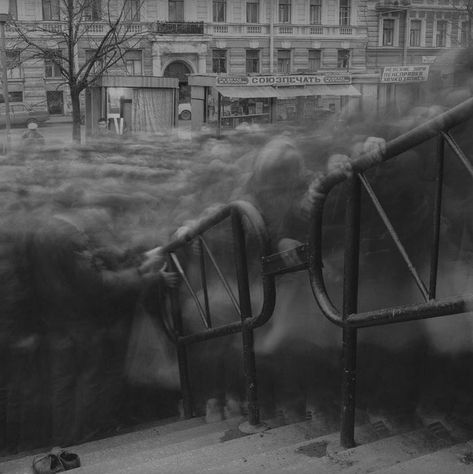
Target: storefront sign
[[287, 80], [428, 59], [405, 74], [232, 80]]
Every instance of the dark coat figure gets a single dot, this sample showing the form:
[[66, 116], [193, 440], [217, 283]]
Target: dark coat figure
[[76, 288], [22, 399]]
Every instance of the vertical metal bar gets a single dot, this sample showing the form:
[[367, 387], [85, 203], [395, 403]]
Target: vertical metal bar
[[203, 279], [249, 361], [350, 305], [434, 255], [219, 115], [181, 349], [6, 96]]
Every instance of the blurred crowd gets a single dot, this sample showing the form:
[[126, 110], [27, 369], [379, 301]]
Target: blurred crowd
[[84, 284]]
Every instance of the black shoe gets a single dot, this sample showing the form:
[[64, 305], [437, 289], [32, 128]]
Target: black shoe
[[47, 464], [67, 459]]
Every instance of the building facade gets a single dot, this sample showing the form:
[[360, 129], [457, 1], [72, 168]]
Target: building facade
[[247, 37]]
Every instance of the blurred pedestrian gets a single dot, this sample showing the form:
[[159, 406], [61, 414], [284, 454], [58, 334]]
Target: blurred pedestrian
[[32, 138], [77, 289]]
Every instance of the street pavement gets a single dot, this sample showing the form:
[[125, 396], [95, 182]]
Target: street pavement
[[57, 131]]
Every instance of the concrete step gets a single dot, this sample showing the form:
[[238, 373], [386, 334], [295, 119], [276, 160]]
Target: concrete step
[[366, 457], [198, 454], [457, 459], [168, 430]]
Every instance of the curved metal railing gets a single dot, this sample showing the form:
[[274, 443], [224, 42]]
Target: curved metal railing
[[349, 319], [246, 221]]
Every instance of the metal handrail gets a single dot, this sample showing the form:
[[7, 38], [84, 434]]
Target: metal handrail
[[245, 219], [322, 187], [349, 319]]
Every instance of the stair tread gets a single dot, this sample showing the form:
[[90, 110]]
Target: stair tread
[[325, 455], [456, 459], [167, 432], [210, 452]]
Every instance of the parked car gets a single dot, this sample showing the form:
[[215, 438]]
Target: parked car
[[184, 111], [22, 114]]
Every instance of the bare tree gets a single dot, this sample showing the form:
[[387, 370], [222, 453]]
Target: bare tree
[[465, 7], [104, 30]]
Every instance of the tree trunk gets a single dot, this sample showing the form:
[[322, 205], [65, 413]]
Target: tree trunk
[[76, 115]]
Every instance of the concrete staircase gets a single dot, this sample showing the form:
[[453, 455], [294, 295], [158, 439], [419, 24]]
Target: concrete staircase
[[194, 446]]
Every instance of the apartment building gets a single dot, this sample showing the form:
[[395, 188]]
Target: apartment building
[[247, 37], [415, 34], [183, 37]]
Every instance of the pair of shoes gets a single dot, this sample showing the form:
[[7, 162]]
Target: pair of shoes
[[58, 460]]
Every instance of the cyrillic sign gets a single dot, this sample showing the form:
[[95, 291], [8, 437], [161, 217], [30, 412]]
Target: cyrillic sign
[[286, 80], [405, 74], [428, 59]]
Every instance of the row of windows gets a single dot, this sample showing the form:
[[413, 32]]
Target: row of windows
[[132, 61], [314, 60], [93, 10], [440, 39]]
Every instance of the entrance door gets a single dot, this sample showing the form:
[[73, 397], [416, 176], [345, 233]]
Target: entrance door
[[55, 100], [180, 70]]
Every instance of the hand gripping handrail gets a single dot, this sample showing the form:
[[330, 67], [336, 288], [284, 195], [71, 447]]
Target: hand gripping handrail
[[237, 210], [323, 186], [245, 220], [349, 319]]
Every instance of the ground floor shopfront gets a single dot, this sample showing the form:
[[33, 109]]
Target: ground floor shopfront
[[133, 104], [231, 101]]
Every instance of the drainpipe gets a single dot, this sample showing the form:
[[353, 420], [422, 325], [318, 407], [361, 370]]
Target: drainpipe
[[271, 37], [406, 37]]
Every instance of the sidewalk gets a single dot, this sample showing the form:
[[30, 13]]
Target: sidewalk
[[59, 119]]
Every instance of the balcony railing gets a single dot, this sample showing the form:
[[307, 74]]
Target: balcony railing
[[393, 5], [238, 29], [180, 27], [198, 28], [88, 28]]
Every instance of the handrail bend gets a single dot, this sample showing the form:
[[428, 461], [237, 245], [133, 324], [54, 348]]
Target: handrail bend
[[319, 192]]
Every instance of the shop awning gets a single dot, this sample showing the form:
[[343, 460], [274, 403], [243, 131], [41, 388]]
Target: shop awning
[[321, 89], [247, 92]]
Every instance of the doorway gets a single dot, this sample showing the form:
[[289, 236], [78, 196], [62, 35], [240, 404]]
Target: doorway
[[180, 70]]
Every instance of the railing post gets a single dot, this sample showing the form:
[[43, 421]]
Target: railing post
[[249, 360], [434, 255], [350, 305], [187, 403]]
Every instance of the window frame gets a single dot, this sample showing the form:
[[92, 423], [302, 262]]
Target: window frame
[[219, 11], [218, 60], [463, 27], [256, 61], [347, 66], [178, 14], [280, 59], [418, 33], [388, 34], [51, 10], [13, 9], [344, 13], [133, 61], [284, 11], [444, 35], [54, 67], [14, 69], [314, 6], [310, 60], [250, 13], [132, 10]]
